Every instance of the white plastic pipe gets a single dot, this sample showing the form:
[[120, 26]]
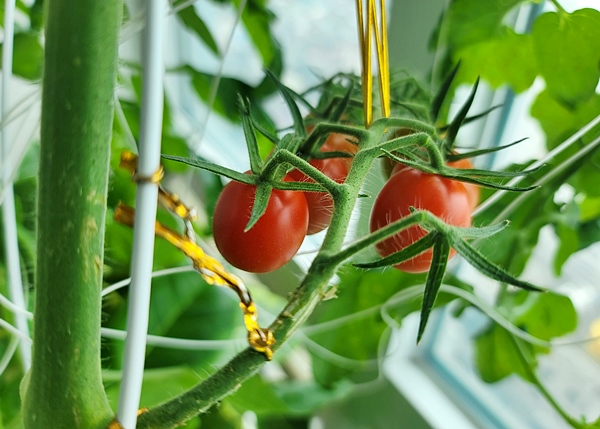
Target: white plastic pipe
[[146, 205]]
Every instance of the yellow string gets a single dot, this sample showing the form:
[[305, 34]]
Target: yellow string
[[211, 270], [365, 35]]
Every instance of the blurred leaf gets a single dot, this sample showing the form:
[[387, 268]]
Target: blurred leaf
[[589, 208], [28, 55], [226, 102], [174, 145], [158, 385], [567, 52], [512, 248], [471, 21], [546, 315], [285, 398], [503, 59], [560, 122], [304, 398], [196, 311], [192, 21], [257, 20], [257, 395], [568, 244], [10, 400], [496, 356], [359, 338]]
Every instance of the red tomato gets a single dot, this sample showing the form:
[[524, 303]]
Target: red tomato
[[465, 164], [445, 198], [272, 241], [472, 189], [320, 204], [339, 143]]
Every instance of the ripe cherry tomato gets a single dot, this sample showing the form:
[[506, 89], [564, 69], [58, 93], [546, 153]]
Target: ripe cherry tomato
[[472, 189], [339, 143], [445, 198], [465, 164], [272, 241], [320, 204]]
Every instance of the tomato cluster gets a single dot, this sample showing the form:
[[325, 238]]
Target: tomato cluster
[[289, 217], [450, 200]]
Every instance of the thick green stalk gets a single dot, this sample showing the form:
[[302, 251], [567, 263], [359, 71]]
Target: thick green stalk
[[64, 388]]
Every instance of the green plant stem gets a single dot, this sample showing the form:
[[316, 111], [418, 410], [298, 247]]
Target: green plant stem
[[533, 378], [64, 388], [301, 304], [559, 6]]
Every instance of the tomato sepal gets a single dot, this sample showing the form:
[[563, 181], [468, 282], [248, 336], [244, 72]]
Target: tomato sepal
[[261, 201], [440, 96], [459, 119], [493, 271], [288, 96], [256, 162], [439, 261], [248, 179], [454, 156], [468, 175], [403, 255]]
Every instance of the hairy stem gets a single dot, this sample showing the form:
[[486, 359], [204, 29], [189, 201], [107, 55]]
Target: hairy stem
[[303, 301], [64, 388]]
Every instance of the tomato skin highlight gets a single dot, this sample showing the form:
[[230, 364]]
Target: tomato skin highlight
[[272, 241], [320, 204], [445, 198]]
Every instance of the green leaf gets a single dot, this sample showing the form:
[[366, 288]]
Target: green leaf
[[471, 21], [568, 243], [567, 53], [174, 145], [496, 356], [28, 56], [546, 316], [304, 398], [560, 122], [285, 398], [158, 384], [256, 163], [257, 395], [257, 20], [228, 93], [288, 96], [357, 339], [192, 21], [503, 59]]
